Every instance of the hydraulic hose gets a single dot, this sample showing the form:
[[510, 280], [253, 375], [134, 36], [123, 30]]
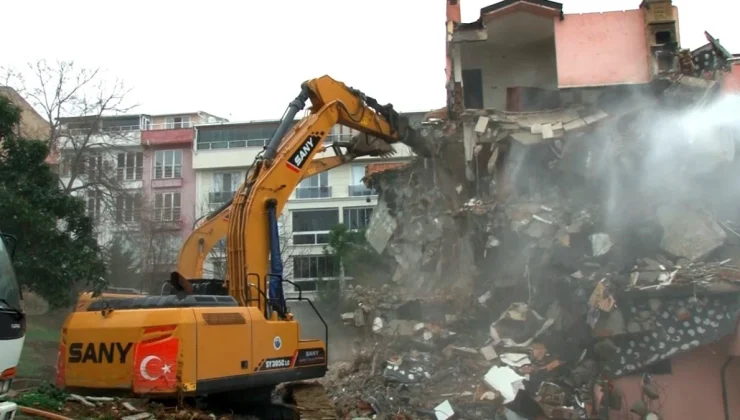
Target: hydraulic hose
[[42, 413]]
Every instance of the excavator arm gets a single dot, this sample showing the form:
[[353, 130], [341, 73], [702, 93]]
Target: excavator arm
[[253, 254], [212, 228]]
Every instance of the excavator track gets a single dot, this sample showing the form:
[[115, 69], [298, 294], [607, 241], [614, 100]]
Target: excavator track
[[311, 401], [292, 401]]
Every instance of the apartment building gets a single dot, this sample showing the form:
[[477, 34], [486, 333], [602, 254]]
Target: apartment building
[[136, 175], [527, 55], [101, 159], [222, 156], [32, 125]]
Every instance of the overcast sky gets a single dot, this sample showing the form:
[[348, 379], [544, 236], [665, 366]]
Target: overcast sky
[[245, 60]]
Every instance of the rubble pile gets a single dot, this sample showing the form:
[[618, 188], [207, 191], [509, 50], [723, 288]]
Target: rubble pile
[[47, 402], [541, 256]]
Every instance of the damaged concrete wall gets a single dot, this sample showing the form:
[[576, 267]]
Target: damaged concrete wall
[[696, 374], [575, 246], [531, 65], [432, 246], [594, 47], [731, 80]]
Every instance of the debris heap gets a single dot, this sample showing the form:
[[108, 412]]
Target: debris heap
[[543, 255]]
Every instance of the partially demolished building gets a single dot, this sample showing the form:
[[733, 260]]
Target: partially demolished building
[[572, 248]]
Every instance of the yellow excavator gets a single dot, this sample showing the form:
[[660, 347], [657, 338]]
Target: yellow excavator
[[207, 232], [190, 343]]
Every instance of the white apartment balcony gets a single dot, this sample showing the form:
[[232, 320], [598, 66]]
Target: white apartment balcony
[[224, 158], [240, 153], [114, 137], [304, 193], [172, 125], [361, 190]]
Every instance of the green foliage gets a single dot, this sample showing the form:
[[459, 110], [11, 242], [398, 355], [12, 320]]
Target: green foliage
[[45, 397], [123, 265], [360, 261], [56, 248]]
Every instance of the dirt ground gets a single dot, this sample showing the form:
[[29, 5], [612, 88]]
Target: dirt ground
[[313, 401]]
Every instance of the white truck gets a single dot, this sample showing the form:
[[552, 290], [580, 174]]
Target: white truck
[[12, 325]]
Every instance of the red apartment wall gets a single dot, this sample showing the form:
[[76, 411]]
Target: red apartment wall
[[595, 49], [731, 81], [694, 390], [185, 185]]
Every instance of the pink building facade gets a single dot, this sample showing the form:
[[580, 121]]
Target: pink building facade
[[169, 182], [523, 55], [731, 80], [169, 177], [694, 388]]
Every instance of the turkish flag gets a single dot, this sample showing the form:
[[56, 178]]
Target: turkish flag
[[155, 365]]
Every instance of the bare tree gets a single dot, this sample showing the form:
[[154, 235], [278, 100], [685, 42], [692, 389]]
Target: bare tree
[[90, 136], [159, 238]]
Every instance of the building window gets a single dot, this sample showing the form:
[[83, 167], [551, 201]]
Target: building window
[[167, 164], [91, 165], [314, 267], [316, 186], [472, 88], [130, 123], [231, 136], [339, 133], [130, 166], [357, 218], [93, 204], [177, 122], [225, 185], [166, 249], [128, 208], [357, 188], [67, 163], [167, 207], [312, 227]]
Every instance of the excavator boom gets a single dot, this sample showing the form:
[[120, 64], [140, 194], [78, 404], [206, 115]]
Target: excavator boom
[[285, 162], [212, 228]]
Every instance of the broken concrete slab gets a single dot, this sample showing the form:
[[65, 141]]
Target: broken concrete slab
[[381, 227], [402, 327], [688, 233], [444, 411], [601, 243], [481, 125], [610, 324], [141, 416], [518, 326], [489, 352], [506, 381]]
